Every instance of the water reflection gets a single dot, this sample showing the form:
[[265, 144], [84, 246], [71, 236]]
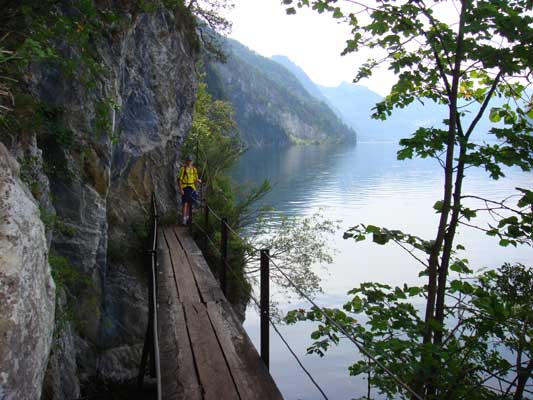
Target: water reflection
[[354, 184]]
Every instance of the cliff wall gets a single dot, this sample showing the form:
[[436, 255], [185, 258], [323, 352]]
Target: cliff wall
[[110, 146]]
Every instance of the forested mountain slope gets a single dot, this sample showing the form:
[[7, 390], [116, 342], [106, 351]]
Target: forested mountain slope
[[271, 105]]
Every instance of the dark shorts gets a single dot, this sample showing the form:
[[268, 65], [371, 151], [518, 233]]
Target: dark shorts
[[189, 195]]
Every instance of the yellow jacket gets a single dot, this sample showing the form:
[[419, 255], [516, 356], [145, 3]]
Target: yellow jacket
[[188, 176]]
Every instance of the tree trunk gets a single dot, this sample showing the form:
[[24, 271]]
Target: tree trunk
[[437, 276], [523, 376], [448, 244]]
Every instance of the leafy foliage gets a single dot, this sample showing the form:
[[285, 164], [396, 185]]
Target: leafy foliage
[[464, 60], [494, 308], [296, 245], [217, 147]]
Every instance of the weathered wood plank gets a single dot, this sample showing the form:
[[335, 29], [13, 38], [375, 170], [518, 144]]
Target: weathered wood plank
[[187, 372], [187, 289], [251, 377], [178, 373], [179, 376], [187, 242], [213, 371], [207, 284], [166, 297]]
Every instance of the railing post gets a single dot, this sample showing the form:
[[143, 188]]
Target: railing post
[[223, 252], [152, 294], [189, 222], [146, 350], [206, 226], [265, 306]]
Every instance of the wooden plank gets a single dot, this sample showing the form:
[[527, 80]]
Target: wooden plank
[[165, 317], [251, 377], [187, 372], [178, 373], [187, 242], [213, 371], [207, 284], [187, 290]]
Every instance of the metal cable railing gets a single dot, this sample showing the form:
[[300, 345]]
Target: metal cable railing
[[258, 305], [151, 341], [338, 326]]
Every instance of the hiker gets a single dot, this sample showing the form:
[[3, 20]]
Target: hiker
[[187, 180]]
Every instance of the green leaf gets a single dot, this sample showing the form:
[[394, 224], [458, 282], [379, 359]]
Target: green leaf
[[494, 115], [405, 153], [373, 229], [290, 11], [456, 285], [380, 238], [438, 205], [315, 335]]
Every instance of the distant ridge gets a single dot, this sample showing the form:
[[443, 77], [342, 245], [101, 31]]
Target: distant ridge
[[304, 79], [354, 103], [272, 105]]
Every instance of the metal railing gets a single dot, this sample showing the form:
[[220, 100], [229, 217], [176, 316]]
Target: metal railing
[[264, 304], [151, 340], [224, 267]]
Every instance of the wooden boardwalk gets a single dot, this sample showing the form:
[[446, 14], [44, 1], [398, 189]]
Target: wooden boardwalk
[[205, 352]]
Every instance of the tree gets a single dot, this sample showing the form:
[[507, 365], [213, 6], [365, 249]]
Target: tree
[[211, 13], [478, 63], [212, 24], [296, 243]]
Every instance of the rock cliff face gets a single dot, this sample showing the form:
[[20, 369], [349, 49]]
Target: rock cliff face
[[102, 196], [27, 291]]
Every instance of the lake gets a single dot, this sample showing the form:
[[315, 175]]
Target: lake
[[362, 183]]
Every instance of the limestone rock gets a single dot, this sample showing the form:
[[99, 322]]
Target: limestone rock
[[27, 291], [101, 196], [61, 381], [150, 76]]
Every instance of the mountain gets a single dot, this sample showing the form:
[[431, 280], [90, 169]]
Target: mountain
[[355, 103], [300, 74], [271, 105]]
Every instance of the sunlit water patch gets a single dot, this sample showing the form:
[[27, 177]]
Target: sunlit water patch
[[364, 183]]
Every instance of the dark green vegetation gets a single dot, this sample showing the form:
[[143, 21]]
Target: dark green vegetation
[[214, 142], [271, 105], [297, 242], [473, 338]]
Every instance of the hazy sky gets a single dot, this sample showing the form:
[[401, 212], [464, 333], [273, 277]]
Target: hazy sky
[[311, 40]]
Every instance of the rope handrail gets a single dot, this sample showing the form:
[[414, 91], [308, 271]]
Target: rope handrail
[[336, 324]]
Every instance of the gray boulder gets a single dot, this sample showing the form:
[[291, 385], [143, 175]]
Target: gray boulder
[[27, 291]]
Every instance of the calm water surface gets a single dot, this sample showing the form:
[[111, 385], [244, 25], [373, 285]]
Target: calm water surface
[[361, 183]]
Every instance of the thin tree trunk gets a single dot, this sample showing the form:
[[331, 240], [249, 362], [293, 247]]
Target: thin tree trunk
[[448, 244], [523, 376], [437, 278]]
